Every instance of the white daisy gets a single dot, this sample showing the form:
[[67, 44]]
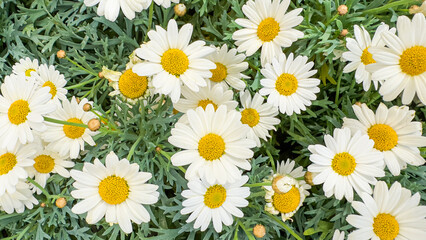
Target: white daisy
[[288, 83], [267, 26], [66, 139], [229, 66], [22, 107], [17, 200], [48, 76], [402, 65], [214, 144], [111, 8], [215, 202], [116, 191], [393, 133], [259, 116], [360, 56], [12, 166], [338, 235], [389, 214], [25, 66], [346, 163], [171, 60], [286, 194]]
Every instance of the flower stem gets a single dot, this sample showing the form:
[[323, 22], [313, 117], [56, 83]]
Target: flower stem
[[39, 187], [257, 184], [82, 83], [284, 226], [271, 159], [52, 120], [132, 149], [151, 13], [249, 235], [81, 67], [387, 6]]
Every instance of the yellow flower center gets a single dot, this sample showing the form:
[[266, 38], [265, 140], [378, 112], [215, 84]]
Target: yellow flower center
[[384, 137], [286, 84], [413, 60], [367, 57], [132, 85], [114, 190], [215, 196], [219, 73], [343, 164], [7, 163], [250, 117], [44, 163], [28, 72], [286, 202], [211, 146], [52, 86], [385, 226], [175, 62], [204, 103], [268, 29], [18, 112], [73, 132]]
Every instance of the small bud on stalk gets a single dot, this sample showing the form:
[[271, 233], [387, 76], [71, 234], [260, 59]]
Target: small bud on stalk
[[94, 124], [259, 231], [61, 202]]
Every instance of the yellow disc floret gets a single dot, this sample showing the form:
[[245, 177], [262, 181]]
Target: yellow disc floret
[[73, 132], [175, 61], [7, 163], [215, 196], [205, 102], [343, 164], [384, 137], [385, 226], [44, 163], [114, 190], [18, 112], [29, 71], [219, 73], [286, 84], [132, 85], [367, 57], [286, 202], [268, 29], [52, 86], [413, 60], [250, 117], [211, 146]]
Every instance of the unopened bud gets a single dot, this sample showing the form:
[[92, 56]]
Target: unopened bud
[[101, 75], [342, 9], [61, 202], [61, 54], [180, 9], [344, 32], [42, 204], [158, 149], [87, 107], [94, 124], [309, 178], [358, 104], [259, 231]]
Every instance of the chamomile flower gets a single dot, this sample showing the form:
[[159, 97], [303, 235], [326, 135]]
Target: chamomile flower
[[229, 66], [17, 200], [12, 166], [286, 195], [111, 8], [338, 235], [171, 60], [115, 190], [214, 202], [259, 116], [402, 65], [268, 26], [22, 107], [389, 214], [360, 56], [346, 163], [48, 76], [214, 144], [25, 66], [393, 133], [288, 83], [68, 140]]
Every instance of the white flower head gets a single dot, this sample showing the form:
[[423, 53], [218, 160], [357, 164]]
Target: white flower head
[[17, 200], [111, 9], [48, 76], [25, 67]]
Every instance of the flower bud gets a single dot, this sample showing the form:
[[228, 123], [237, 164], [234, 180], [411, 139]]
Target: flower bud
[[342, 9], [344, 32], [180, 9], [87, 107], [94, 124], [61, 202], [259, 231], [61, 54]]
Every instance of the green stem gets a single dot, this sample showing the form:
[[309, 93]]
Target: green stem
[[132, 149], [332, 19], [338, 88], [40, 187], [52, 120], [82, 83], [387, 6], [166, 154], [249, 235], [271, 159], [257, 184], [284, 226], [81, 67], [151, 13], [376, 96]]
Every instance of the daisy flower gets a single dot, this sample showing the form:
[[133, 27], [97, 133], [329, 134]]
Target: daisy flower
[[393, 133], [229, 66], [338, 235], [390, 214], [346, 163], [116, 190], [288, 83], [48, 76], [360, 56], [111, 9], [215, 202], [17, 200], [286, 195], [259, 116], [66, 139], [12, 166], [171, 60], [214, 144], [22, 107], [25, 66], [402, 65], [268, 26]]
